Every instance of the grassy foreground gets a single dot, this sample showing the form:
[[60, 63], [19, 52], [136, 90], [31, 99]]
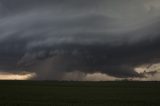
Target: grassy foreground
[[52, 93]]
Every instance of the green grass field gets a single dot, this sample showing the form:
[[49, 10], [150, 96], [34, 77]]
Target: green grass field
[[53, 93]]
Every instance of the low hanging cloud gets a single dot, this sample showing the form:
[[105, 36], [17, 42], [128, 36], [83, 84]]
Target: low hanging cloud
[[56, 38], [16, 75]]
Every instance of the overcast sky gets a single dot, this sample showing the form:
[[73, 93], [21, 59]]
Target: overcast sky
[[80, 39]]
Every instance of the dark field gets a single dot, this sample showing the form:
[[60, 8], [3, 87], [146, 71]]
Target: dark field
[[52, 93]]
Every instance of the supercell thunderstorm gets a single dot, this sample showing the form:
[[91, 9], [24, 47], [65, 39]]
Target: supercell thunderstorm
[[81, 40]]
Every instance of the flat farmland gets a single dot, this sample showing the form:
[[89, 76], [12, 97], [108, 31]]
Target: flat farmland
[[69, 93]]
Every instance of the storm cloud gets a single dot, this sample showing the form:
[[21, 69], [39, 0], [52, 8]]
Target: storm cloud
[[61, 39]]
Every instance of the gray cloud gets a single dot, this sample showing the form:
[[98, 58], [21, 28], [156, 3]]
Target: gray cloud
[[52, 38]]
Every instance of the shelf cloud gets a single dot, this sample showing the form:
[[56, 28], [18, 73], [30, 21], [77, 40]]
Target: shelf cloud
[[60, 40]]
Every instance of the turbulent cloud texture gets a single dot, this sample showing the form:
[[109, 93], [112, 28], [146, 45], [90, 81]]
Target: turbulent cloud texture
[[58, 38]]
